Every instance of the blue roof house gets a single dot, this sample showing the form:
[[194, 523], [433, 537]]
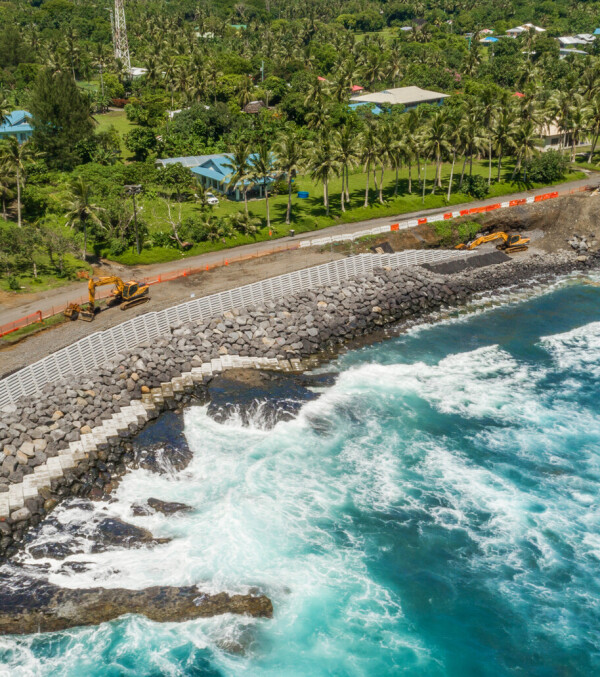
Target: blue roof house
[[17, 124], [213, 173]]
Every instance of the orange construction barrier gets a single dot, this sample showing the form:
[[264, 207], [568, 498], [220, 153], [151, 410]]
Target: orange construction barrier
[[447, 215], [395, 226]]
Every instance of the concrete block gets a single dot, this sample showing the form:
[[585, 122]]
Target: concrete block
[[4, 507], [216, 365]]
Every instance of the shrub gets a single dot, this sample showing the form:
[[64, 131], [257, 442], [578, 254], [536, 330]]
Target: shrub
[[547, 167], [13, 283], [476, 186]]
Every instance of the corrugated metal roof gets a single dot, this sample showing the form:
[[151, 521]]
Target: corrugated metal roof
[[400, 95], [16, 121]]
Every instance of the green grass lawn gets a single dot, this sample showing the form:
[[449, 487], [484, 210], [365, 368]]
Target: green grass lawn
[[30, 329], [119, 121], [309, 214]]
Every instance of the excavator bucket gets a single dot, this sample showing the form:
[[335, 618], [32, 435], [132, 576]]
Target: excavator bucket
[[87, 314]]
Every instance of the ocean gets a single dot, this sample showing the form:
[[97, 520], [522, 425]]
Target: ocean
[[434, 512]]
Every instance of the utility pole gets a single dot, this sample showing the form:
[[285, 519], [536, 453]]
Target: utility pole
[[134, 190]]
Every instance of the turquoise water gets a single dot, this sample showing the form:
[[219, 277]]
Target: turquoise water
[[435, 512]]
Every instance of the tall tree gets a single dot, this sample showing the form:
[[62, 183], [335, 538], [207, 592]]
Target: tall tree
[[322, 164], [81, 210], [16, 156], [60, 117], [262, 169], [289, 155], [239, 166], [369, 152], [435, 143], [346, 146]]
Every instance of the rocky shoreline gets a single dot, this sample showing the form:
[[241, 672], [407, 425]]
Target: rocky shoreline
[[141, 383]]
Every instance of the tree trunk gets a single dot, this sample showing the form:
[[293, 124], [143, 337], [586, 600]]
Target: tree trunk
[[288, 213], [593, 148], [490, 164], [343, 207], [424, 180], [462, 174], [367, 188], [84, 240], [267, 204], [499, 163], [396, 184], [381, 185], [347, 185], [245, 190], [409, 177], [471, 165], [517, 167], [4, 212], [326, 189], [18, 197], [451, 175], [34, 268]]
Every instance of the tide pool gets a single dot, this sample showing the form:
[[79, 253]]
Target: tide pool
[[435, 512]]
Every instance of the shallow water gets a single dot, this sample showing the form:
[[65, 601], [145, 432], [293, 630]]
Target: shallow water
[[435, 512]]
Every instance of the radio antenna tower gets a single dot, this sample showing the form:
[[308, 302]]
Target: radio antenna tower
[[120, 35]]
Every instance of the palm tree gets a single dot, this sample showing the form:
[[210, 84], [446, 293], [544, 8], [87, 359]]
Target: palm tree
[[262, 167], [244, 223], [487, 106], [559, 112], [16, 156], [472, 140], [322, 164], [6, 186], [594, 124], [503, 133], [435, 143], [346, 145], [386, 144], [454, 141], [289, 155], [369, 152], [578, 121], [80, 209], [525, 143], [412, 123], [239, 166], [4, 110]]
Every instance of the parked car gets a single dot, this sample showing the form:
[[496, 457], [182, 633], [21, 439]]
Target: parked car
[[212, 199]]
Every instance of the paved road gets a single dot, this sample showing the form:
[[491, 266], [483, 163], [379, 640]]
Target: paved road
[[60, 297]]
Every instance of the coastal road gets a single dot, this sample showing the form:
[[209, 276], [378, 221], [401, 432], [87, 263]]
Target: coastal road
[[15, 308]]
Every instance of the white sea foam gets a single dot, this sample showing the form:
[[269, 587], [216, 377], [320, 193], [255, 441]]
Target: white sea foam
[[576, 351]]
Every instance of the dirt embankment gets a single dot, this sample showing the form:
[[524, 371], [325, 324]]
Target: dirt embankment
[[555, 222]]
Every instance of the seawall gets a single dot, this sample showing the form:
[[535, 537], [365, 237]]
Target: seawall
[[73, 437]]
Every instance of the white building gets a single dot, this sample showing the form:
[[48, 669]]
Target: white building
[[514, 32], [409, 97]]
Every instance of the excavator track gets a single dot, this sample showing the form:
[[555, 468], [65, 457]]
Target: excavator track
[[134, 302]]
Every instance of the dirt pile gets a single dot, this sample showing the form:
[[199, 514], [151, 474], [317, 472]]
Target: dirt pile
[[558, 220]]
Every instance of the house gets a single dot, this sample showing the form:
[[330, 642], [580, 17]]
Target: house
[[17, 124], [597, 31], [409, 97], [563, 52], [581, 39], [213, 173], [514, 32], [136, 72], [554, 139], [254, 107]]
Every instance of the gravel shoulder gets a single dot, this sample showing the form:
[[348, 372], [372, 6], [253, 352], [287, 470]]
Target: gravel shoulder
[[163, 296]]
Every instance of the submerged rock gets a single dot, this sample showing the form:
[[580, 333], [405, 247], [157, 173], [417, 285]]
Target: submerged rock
[[162, 446], [265, 396], [107, 534], [29, 605], [156, 505]]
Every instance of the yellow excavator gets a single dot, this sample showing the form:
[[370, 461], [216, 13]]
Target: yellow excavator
[[125, 294], [509, 244]]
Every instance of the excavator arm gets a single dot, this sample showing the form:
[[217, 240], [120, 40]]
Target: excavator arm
[[510, 243]]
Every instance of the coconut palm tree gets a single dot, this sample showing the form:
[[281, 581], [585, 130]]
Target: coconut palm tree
[[346, 145], [369, 144], [486, 107], [472, 140], [262, 167], [578, 121], [240, 169], [289, 155], [7, 183], [559, 112], [594, 124], [503, 133], [322, 164], [81, 210], [435, 143], [525, 144], [16, 156]]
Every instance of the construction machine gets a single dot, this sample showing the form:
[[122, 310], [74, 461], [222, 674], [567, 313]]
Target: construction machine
[[509, 244], [125, 294]]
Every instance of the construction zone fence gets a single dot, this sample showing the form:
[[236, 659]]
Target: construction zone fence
[[91, 352], [440, 216]]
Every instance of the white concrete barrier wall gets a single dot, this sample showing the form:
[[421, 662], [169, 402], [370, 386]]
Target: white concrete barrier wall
[[91, 352]]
